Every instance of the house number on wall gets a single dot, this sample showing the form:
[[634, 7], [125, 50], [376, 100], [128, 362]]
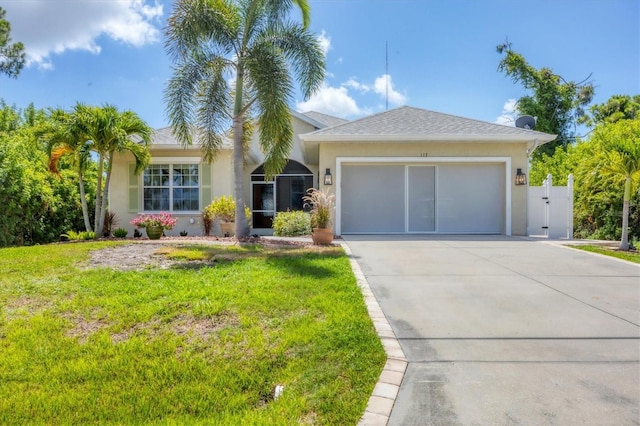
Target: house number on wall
[[424, 154]]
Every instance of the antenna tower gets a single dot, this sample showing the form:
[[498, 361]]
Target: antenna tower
[[386, 76]]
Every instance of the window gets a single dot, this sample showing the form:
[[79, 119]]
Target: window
[[171, 187]]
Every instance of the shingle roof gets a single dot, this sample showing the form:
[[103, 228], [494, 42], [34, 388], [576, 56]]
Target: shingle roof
[[415, 123], [164, 136], [327, 120]]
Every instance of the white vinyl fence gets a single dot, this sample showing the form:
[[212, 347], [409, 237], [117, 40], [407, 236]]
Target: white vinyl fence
[[550, 209]]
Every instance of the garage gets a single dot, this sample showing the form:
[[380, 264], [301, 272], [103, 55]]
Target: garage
[[422, 197]]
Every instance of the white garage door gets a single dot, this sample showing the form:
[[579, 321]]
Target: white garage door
[[398, 198]]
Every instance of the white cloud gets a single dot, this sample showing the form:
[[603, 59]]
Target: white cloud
[[341, 101], [354, 84], [384, 87], [508, 116], [325, 42], [331, 100], [46, 27]]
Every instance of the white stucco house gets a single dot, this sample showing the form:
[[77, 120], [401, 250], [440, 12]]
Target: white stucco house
[[407, 170]]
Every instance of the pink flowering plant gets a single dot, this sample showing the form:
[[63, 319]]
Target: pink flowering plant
[[162, 219]]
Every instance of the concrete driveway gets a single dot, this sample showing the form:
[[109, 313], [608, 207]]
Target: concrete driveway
[[502, 331]]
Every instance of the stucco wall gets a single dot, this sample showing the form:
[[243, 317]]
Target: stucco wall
[[516, 151], [221, 184]]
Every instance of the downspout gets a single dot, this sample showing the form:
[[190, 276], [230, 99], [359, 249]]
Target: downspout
[[536, 144]]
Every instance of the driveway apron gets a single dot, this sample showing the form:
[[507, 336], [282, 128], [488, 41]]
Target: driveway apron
[[505, 331]]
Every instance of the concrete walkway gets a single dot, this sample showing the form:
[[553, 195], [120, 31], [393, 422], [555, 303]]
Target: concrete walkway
[[501, 330]]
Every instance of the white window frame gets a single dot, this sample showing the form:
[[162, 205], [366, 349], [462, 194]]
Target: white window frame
[[170, 162]]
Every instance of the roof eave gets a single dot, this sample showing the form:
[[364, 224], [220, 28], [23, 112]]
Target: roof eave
[[540, 137]]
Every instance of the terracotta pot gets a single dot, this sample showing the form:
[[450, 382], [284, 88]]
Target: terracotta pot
[[228, 229], [322, 236], [154, 232]]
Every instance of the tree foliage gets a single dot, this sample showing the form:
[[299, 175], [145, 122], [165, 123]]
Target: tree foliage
[[555, 102], [617, 107], [12, 56], [601, 165], [618, 158], [37, 207], [252, 44]]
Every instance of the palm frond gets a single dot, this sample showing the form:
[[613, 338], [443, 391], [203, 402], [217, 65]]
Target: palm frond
[[195, 24], [268, 73], [213, 100], [302, 51]]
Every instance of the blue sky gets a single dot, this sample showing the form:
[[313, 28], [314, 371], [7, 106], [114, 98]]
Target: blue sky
[[441, 54]]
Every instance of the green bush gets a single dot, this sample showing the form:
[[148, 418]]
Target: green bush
[[292, 224], [77, 236], [120, 233]]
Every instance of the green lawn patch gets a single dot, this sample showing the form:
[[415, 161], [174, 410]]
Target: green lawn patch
[[631, 256], [204, 341]]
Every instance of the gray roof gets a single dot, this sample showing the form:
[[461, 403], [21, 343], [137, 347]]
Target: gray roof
[[165, 137], [409, 123], [327, 120]]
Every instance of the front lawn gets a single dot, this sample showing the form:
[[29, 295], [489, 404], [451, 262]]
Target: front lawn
[[631, 256], [205, 341]]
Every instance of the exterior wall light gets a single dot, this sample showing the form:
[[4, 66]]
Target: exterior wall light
[[328, 179], [521, 178]]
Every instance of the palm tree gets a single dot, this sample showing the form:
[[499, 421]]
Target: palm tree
[[111, 132], [234, 59], [619, 158], [64, 136]]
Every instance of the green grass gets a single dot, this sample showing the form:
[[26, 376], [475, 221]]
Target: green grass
[[204, 342], [631, 256]]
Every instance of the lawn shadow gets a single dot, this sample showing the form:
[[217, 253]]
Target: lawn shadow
[[292, 260], [304, 261]]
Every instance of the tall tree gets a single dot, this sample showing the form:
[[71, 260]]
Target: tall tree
[[64, 136], [556, 102], [619, 158], [12, 55], [111, 132], [234, 59]]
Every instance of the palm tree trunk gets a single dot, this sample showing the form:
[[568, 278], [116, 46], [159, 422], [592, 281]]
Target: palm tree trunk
[[83, 202], [96, 218], [624, 241], [105, 195], [242, 227]]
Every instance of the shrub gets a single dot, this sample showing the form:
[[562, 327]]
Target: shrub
[[224, 208], [77, 236], [120, 233], [162, 219], [291, 224]]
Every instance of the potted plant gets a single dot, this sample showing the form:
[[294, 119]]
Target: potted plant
[[322, 205], [223, 209], [155, 224]]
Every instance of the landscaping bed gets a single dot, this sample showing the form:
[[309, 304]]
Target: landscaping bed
[[128, 332]]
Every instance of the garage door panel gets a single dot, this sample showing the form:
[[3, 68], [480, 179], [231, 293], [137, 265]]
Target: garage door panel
[[471, 198], [422, 198], [373, 198]]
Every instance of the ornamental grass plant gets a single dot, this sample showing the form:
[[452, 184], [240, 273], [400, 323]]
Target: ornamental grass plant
[[322, 203]]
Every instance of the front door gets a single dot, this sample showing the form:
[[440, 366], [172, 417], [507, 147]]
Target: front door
[[264, 204], [283, 193]]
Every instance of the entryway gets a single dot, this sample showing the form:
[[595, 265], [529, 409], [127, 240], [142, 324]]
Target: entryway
[[283, 193]]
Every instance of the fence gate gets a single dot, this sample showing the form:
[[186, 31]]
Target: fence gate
[[550, 209]]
